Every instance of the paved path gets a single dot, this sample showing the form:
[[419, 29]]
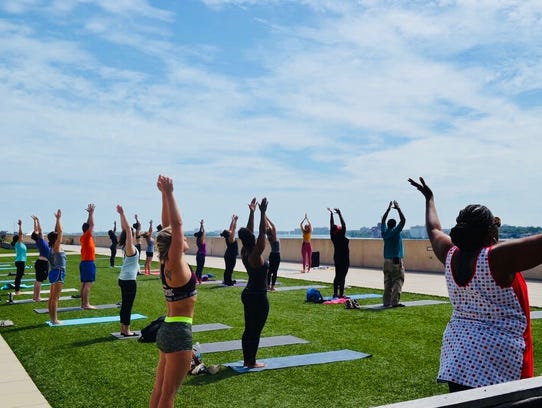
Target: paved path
[[18, 391]]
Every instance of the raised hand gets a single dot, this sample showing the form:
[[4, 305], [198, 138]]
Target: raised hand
[[422, 187]]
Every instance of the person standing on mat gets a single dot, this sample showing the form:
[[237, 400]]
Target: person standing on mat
[[149, 250], [488, 339], [20, 257], [137, 226], [394, 270], [231, 253], [42, 263], [87, 266], [114, 243], [57, 272], [128, 274], [202, 250], [274, 255], [341, 254], [306, 246], [174, 338], [254, 296]]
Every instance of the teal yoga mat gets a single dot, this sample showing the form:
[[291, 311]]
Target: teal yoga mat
[[93, 320], [299, 360]]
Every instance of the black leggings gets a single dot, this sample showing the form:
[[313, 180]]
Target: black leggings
[[128, 289], [113, 249], [229, 260], [274, 262], [256, 307], [200, 263], [341, 269], [19, 275]]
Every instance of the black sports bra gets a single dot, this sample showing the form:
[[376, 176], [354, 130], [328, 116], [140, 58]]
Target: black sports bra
[[184, 292]]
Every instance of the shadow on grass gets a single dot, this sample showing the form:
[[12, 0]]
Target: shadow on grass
[[91, 342], [14, 329]]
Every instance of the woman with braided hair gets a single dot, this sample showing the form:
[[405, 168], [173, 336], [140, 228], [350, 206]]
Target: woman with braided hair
[[488, 338]]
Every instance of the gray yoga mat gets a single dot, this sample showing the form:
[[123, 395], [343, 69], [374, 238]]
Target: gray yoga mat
[[236, 344], [22, 301], [300, 360], [74, 308], [119, 336], [30, 292], [208, 327], [412, 303], [93, 320], [536, 314]]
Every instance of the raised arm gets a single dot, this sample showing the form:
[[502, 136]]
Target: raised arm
[[115, 227], [252, 208], [58, 230], [150, 229], [233, 228], [129, 247], [90, 218], [440, 241], [172, 218], [260, 241], [402, 219], [331, 219], [272, 227], [343, 224], [37, 226], [202, 230], [20, 223], [385, 216]]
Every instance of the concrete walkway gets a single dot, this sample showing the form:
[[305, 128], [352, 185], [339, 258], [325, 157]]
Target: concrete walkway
[[17, 389]]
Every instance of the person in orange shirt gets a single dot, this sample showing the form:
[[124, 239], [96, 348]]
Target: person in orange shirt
[[87, 266]]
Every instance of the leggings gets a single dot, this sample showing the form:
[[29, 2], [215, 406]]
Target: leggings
[[306, 254], [19, 275], [341, 269], [274, 262], [200, 262], [256, 307], [128, 289], [113, 249], [229, 260]]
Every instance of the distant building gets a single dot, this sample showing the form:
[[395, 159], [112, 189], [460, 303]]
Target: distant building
[[418, 232]]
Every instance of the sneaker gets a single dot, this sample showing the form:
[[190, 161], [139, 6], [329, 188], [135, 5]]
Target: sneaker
[[398, 305], [348, 304], [355, 304]]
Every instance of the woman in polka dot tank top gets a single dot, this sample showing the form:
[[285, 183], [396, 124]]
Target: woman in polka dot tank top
[[488, 338]]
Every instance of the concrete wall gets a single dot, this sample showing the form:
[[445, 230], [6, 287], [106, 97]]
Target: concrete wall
[[364, 253]]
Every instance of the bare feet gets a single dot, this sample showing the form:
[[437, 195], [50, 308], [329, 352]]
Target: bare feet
[[55, 322], [255, 365], [89, 307], [18, 292]]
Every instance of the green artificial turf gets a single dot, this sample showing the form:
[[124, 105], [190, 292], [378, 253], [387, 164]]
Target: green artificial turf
[[83, 366]]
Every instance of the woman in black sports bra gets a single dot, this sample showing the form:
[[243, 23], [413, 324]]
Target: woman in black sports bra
[[254, 296], [174, 338]]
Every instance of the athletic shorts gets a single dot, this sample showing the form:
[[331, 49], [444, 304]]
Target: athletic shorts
[[149, 254], [42, 269], [175, 336], [87, 271], [56, 276]]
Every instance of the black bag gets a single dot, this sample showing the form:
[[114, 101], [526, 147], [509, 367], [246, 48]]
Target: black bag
[[148, 333], [315, 259]]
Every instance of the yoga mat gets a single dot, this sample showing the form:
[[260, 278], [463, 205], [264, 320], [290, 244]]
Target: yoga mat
[[359, 296], [29, 292], [283, 288], [12, 281], [74, 308], [92, 320], [236, 344], [208, 327], [299, 360], [119, 336], [412, 303], [21, 301], [536, 314]]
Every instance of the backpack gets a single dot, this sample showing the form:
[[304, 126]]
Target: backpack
[[314, 296], [148, 333]]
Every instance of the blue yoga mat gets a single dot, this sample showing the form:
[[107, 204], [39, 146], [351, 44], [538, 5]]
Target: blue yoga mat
[[12, 281], [92, 320], [362, 296], [299, 360]]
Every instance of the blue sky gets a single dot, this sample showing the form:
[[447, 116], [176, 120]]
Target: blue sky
[[312, 103]]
